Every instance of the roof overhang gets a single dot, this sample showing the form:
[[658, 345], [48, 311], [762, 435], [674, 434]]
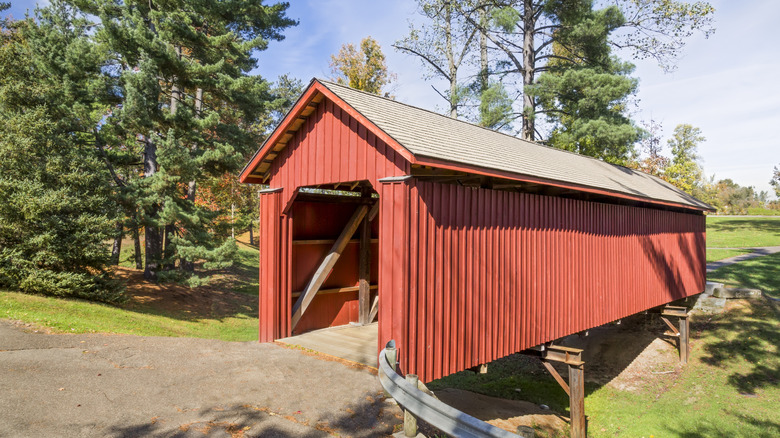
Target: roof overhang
[[256, 171], [258, 168]]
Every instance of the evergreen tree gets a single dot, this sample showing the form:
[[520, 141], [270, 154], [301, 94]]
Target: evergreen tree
[[57, 204], [187, 105], [775, 181], [584, 89]]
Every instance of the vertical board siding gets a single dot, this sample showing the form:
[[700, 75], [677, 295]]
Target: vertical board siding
[[491, 272], [272, 267], [332, 147]]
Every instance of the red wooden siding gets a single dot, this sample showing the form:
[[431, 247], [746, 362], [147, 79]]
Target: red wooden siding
[[333, 147], [274, 312], [472, 275]]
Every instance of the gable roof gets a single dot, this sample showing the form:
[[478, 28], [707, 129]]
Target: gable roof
[[431, 139]]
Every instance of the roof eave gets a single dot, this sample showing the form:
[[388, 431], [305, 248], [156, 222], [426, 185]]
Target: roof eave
[[443, 164]]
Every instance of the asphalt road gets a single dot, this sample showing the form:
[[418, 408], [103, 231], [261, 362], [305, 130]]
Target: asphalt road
[[128, 386]]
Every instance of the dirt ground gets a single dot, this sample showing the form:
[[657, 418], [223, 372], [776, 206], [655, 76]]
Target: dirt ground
[[213, 300]]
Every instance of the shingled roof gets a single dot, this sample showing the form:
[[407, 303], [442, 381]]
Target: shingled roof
[[425, 134]]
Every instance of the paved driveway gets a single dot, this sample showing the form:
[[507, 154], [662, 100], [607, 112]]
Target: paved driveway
[[122, 386]]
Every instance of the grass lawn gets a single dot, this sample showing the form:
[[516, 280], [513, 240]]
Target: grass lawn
[[713, 255], [226, 309], [759, 273], [730, 387], [61, 315], [742, 232]]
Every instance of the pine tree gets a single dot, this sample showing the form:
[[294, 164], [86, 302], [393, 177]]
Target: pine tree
[[188, 102], [584, 89], [57, 204]]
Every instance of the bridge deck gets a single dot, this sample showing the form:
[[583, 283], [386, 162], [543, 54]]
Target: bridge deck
[[350, 342]]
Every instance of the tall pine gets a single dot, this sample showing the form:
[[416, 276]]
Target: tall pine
[[187, 102], [57, 204]]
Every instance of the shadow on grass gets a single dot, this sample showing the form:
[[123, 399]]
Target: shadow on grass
[[744, 337], [746, 226], [759, 273], [760, 429]]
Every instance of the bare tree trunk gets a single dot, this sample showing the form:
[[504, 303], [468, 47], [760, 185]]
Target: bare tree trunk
[[151, 232], [116, 249], [483, 52], [251, 234], [529, 64], [139, 264], [453, 68]]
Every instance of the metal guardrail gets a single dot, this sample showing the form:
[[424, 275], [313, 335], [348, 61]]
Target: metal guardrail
[[439, 415]]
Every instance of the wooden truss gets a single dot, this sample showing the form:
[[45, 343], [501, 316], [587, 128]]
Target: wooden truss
[[361, 218]]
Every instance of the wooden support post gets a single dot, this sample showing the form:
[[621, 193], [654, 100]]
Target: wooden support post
[[322, 272], [579, 427], [410, 422], [575, 389], [364, 272], [684, 333]]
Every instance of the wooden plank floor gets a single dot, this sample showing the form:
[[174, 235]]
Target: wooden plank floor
[[351, 342]]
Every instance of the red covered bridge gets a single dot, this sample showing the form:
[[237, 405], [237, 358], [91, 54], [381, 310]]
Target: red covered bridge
[[467, 244]]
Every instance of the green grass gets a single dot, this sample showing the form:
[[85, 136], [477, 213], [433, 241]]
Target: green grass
[[736, 232], [763, 212], [730, 387], [713, 255], [758, 273], [78, 316]]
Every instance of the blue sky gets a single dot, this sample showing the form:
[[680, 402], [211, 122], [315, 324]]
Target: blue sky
[[726, 85]]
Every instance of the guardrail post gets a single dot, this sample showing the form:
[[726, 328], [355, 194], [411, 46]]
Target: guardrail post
[[392, 358], [410, 421]]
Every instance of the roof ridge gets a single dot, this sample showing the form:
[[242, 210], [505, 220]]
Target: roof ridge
[[533, 143]]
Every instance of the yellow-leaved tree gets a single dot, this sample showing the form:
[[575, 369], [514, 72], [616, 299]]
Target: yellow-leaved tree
[[363, 69]]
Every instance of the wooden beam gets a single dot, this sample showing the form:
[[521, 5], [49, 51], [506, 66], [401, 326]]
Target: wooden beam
[[556, 376], [364, 271], [336, 290], [325, 268], [325, 241], [374, 309], [675, 332]]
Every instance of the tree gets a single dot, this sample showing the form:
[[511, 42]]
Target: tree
[[58, 204], [186, 107], [653, 162], [584, 89], [775, 181], [684, 170], [364, 69], [523, 34], [443, 45]]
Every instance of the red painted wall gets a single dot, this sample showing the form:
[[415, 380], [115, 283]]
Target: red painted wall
[[330, 147], [472, 275], [333, 147], [465, 275]]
